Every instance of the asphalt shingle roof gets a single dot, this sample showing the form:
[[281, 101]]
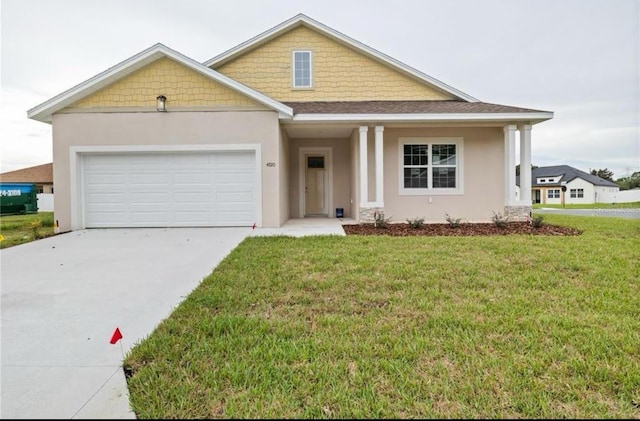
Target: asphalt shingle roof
[[568, 173], [402, 107], [38, 174]]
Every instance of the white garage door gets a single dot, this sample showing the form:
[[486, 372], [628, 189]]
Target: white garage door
[[169, 189]]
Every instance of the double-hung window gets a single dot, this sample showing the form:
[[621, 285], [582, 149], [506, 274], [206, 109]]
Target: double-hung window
[[302, 69], [576, 193], [430, 166], [553, 194]]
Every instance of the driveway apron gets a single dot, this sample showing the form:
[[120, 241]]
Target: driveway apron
[[63, 297]]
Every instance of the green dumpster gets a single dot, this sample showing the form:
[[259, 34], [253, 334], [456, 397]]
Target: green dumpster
[[18, 198]]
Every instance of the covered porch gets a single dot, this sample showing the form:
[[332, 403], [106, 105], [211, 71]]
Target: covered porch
[[353, 170]]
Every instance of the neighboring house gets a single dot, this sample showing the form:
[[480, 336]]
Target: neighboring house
[[562, 184], [298, 121], [40, 175]]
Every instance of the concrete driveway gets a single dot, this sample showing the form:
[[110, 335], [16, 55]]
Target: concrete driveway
[[63, 297]]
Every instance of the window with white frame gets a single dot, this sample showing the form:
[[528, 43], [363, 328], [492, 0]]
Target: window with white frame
[[430, 165], [576, 193], [302, 69], [553, 194]]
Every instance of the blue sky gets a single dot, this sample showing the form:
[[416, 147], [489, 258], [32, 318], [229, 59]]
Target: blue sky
[[577, 58]]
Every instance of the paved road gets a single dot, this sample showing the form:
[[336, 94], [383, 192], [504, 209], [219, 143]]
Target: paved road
[[633, 213]]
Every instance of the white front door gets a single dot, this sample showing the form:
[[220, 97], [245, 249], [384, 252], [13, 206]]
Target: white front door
[[315, 187]]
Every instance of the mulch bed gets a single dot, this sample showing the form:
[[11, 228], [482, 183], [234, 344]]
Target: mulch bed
[[465, 229]]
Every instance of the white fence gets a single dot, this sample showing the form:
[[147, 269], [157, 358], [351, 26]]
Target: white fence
[[625, 196], [45, 202]]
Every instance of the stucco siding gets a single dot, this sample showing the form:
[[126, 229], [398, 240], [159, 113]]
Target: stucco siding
[[180, 85], [483, 177], [192, 129], [587, 188], [339, 73]]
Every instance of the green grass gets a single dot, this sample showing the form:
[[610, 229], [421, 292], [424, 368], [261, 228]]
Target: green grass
[[20, 229], [422, 327], [634, 205]]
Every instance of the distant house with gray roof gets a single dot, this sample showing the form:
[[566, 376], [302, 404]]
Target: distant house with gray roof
[[560, 184]]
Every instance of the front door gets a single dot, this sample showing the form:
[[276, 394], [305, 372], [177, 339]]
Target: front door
[[536, 194], [315, 186]]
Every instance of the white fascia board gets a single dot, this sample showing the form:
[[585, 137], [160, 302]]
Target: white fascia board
[[344, 39], [44, 111], [453, 117]]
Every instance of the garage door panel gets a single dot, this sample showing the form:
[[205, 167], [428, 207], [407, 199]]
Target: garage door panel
[[149, 178], [141, 199], [187, 198], [170, 189], [201, 178]]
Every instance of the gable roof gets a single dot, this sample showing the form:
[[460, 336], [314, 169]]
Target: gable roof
[[37, 174], [44, 111], [303, 20], [568, 174]]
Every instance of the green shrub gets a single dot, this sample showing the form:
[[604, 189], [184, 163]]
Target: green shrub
[[380, 221], [500, 220], [536, 221], [416, 222], [453, 222]]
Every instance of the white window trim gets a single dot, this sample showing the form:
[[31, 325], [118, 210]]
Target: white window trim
[[293, 69], [458, 141]]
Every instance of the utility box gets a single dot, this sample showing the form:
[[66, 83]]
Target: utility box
[[18, 198]]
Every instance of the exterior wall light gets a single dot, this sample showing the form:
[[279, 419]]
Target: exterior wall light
[[161, 104]]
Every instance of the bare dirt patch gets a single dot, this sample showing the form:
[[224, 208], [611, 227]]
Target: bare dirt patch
[[466, 229]]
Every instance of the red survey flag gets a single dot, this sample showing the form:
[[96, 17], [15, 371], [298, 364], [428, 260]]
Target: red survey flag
[[116, 336]]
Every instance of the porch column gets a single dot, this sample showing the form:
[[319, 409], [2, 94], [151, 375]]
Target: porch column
[[510, 165], [525, 164], [379, 167], [364, 177]]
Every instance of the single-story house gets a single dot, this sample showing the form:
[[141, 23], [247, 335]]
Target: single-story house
[[40, 175], [562, 184], [298, 121]]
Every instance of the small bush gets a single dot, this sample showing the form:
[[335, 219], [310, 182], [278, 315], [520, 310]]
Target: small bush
[[416, 222], [380, 221], [35, 229], [500, 220], [536, 221], [453, 222]]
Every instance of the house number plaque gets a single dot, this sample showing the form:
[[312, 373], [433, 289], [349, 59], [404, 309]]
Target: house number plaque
[[271, 164]]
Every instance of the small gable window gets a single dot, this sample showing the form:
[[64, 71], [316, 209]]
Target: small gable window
[[302, 69]]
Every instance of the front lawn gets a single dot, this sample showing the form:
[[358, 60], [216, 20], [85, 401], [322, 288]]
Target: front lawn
[[20, 229], [515, 326]]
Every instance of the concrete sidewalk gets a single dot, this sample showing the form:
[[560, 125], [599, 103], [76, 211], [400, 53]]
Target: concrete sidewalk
[[62, 298]]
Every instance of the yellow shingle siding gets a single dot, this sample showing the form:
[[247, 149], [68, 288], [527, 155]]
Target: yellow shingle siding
[[182, 86], [339, 73]]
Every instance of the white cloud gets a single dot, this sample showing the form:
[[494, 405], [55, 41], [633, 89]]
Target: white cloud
[[24, 142]]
